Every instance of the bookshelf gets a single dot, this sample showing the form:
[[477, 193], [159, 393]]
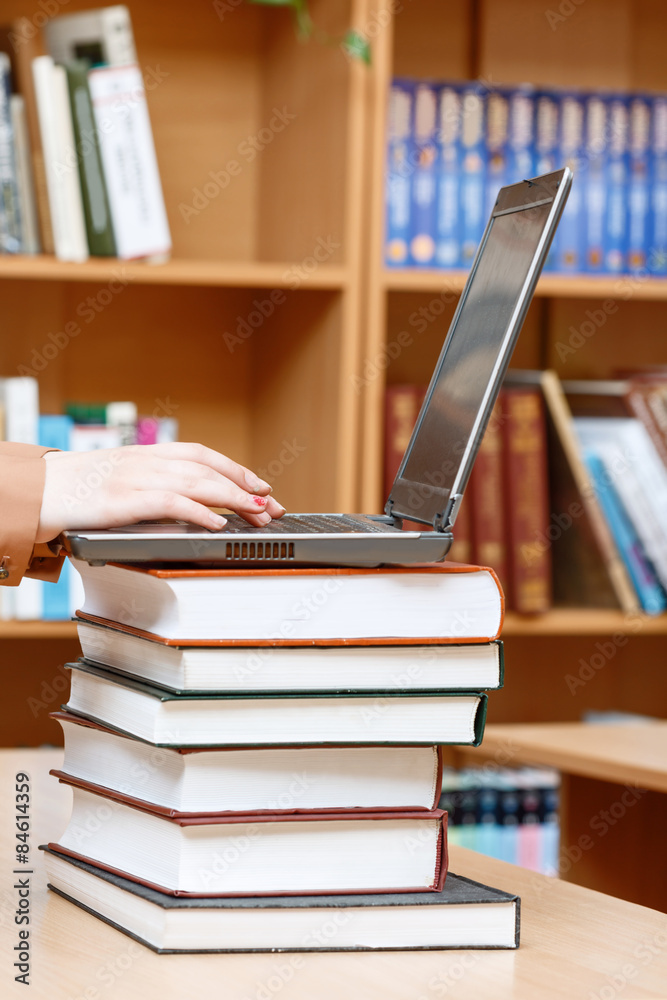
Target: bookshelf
[[602, 44], [318, 183]]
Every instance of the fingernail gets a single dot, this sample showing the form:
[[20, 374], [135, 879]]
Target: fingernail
[[216, 520], [280, 507], [264, 518], [255, 483], [260, 501]]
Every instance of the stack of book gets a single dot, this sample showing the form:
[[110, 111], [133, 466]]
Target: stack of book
[[255, 756], [503, 521], [453, 145], [79, 170]]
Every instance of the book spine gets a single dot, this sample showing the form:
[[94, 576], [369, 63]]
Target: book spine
[[402, 404], [21, 403], [117, 36], [521, 135], [104, 35], [616, 202], [399, 168], [638, 184], [447, 209], [99, 230], [130, 165], [497, 145], [570, 236], [26, 186], [651, 595], [62, 179], [487, 497], [10, 216], [527, 499], [657, 263], [546, 149], [473, 170], [27, 46], [595, 124], [647, 403], [423, 185]]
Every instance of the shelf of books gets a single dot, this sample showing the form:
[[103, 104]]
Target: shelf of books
[[224, 268]]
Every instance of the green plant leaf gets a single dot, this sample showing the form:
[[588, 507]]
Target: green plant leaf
[[357, 47]]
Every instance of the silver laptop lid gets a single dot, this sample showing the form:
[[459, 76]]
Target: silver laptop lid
[[477, 350]]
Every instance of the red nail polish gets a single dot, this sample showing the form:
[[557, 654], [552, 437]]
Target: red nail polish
[[260, 501]]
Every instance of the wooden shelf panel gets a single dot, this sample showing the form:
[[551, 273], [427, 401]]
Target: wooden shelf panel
[[559, 622], [624, 286], [201, 273], [583, 621], [38, 630]]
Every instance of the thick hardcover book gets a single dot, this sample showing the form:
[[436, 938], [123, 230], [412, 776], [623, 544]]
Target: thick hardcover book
[[646, 399], [487, 496], [93, 185], [424, 604], [191, 781], [258, 853], [246, 669], [159, 716], [527, 499], [463, 914]]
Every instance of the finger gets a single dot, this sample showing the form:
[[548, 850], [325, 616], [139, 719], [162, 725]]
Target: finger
[[213, 490], [274, 508], [199, 453], [153, 504]]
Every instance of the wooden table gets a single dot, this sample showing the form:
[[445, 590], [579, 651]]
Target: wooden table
[[575, 943], [613, 802]]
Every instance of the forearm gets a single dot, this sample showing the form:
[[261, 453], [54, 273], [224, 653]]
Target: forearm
[[22, 472]]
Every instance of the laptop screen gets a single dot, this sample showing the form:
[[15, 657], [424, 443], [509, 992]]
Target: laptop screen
[[476, 353]]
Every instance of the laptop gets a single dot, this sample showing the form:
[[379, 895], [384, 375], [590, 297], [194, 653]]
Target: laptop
[[435, 468]]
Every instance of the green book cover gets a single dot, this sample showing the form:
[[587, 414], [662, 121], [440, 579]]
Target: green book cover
[[99, 229]]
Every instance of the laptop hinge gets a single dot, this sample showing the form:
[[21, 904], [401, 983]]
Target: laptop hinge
[[440, 522]]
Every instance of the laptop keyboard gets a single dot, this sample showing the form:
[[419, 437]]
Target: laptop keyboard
[[304, 524]]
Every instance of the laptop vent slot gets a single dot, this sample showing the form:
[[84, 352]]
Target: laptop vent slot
[[275, 552]]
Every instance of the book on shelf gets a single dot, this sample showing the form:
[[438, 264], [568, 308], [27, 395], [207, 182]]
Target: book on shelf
[[486, 499], [588, 569], [27, 199], [638, 476], [62, 175], [23, 47], [245, 669], [526, 497], [463, 914], [389, 605], [10, 212], [100, 36], [258, 853], [187, 781], [160, 716], [459, 142], [95, 199]]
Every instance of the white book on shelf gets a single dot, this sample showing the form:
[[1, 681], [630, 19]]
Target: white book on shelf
[[28, 600], [20, 401], [130, 165], [639, 476], [62, 174], [102, 36], [26, 186]]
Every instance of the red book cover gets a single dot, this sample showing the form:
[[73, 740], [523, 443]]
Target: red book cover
[[527, 500], [440, 861], [486, 496]]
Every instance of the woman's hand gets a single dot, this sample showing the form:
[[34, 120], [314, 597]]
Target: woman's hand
[[108, 488]]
